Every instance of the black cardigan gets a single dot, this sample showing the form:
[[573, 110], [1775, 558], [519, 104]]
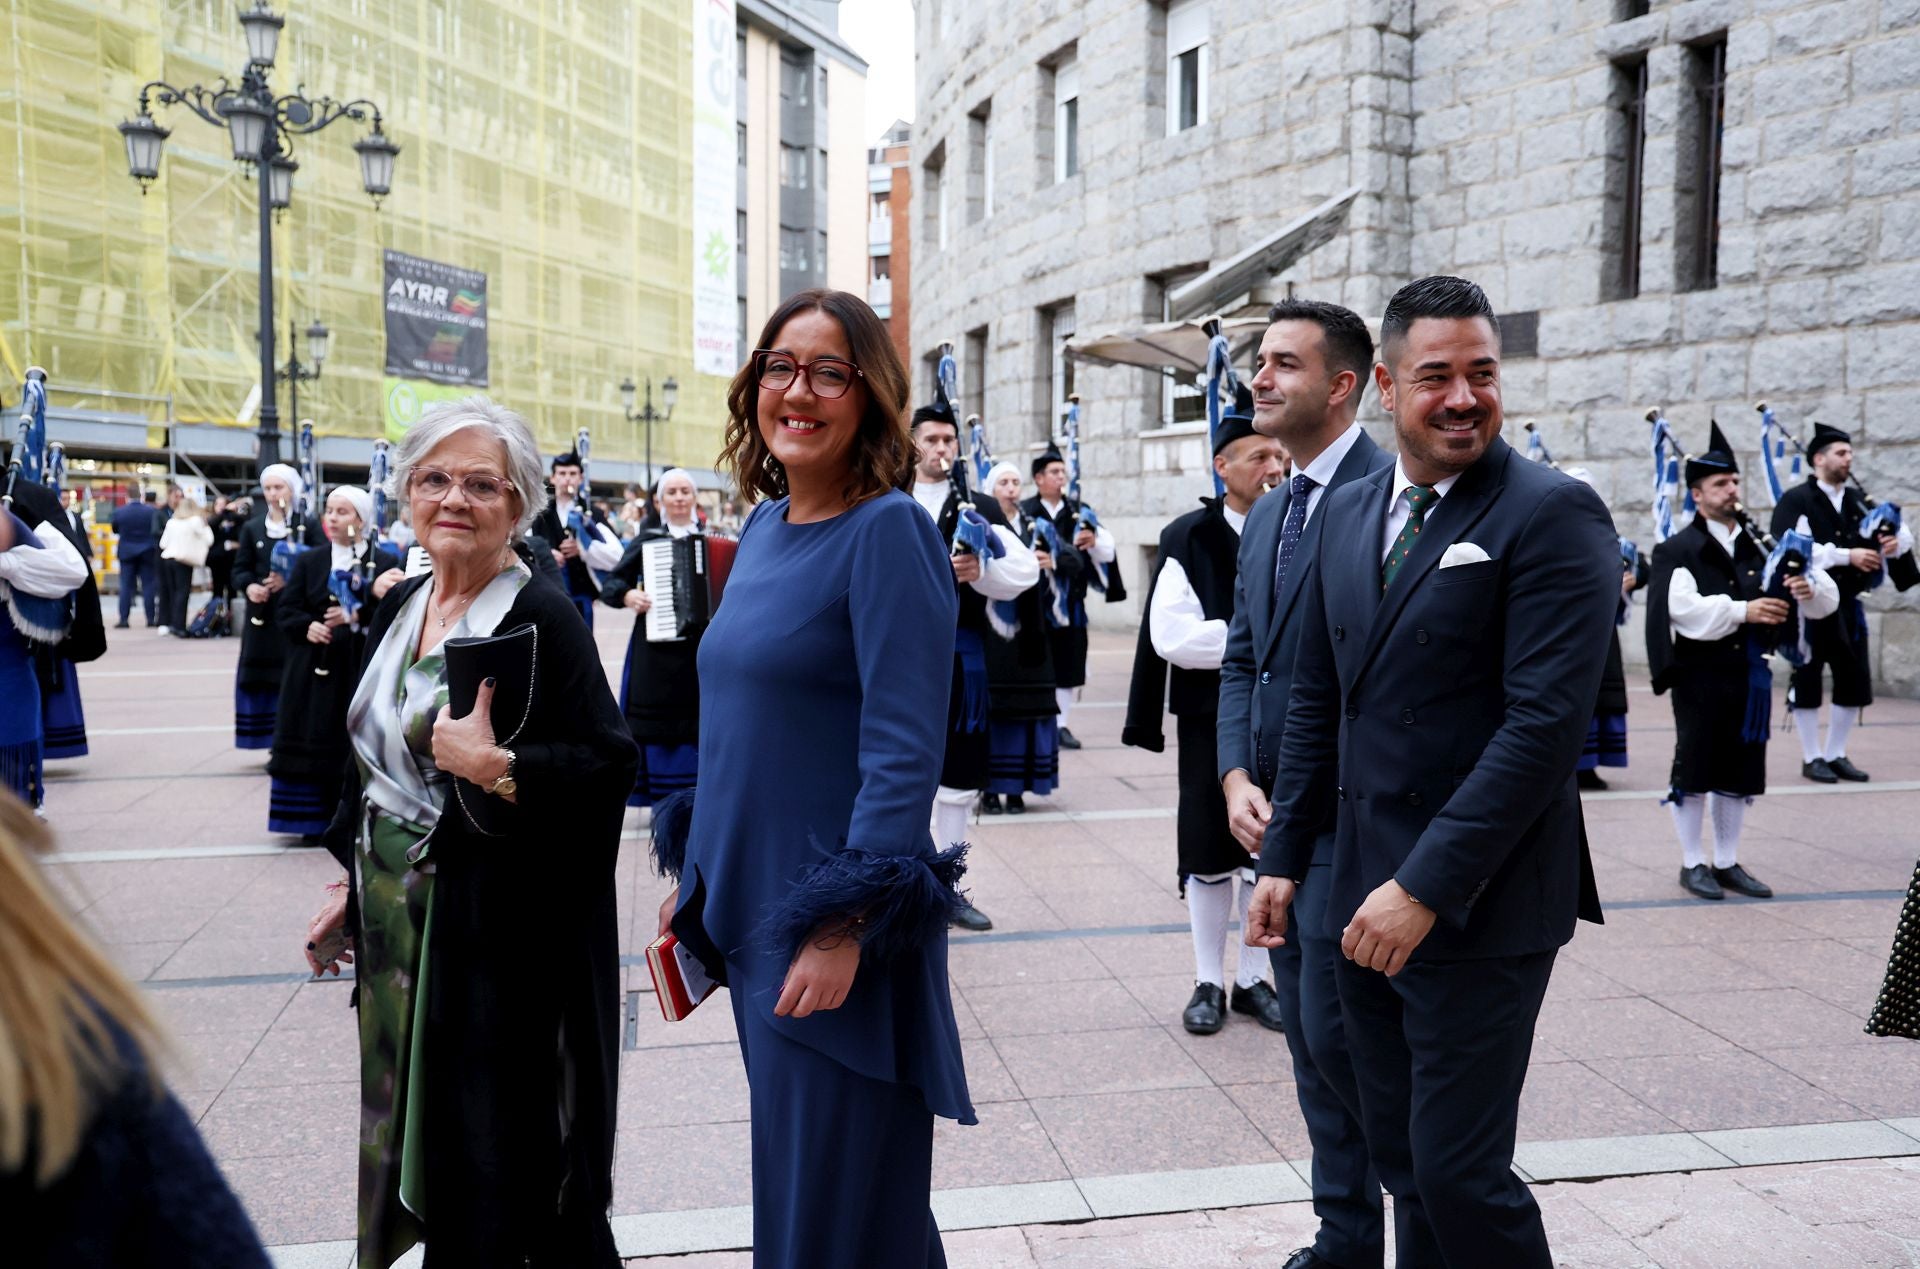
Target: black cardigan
[[263, 649], [524, 968]]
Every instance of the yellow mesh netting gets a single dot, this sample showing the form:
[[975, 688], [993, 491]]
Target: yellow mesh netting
[[544, 142]]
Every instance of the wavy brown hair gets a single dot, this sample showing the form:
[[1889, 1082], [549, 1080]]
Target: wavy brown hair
[[883, 450]]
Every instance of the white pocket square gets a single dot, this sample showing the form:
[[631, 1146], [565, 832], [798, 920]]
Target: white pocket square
[[1463, 553]]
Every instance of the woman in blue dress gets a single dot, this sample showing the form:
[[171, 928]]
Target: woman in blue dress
[[809, 880]]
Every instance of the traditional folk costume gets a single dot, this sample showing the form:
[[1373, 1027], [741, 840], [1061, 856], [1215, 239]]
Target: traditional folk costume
[[1023, 728], [1176, 667], [1607, 734], [1007, 570], [1836, 517], [39, 573], [659, 682], [834, 640], [269, 544], [62, 715], [1701, 649], [600, 545], [1103, 574], [310, 747]]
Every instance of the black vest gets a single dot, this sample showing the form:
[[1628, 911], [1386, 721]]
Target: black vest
[[1208, 549], [1694, 549], [1835, 528]]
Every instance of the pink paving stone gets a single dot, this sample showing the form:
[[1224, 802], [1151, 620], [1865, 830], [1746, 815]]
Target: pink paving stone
[[1001, 964], [1098, 1061], [1009, 1146], [317, 1120], [1569, 1101], [1732, 1089], [1629, 1027], [1044, 1008], [1756, 1019], [661, 1088], [1275, 1110], [1108, 1134], [683, 1168]]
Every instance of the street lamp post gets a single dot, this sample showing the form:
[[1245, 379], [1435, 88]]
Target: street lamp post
[[669, 394], [296, 372], [262, 128]]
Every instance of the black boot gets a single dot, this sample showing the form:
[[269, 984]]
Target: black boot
[[1016, 805], [990, 804], [1206, 1011]]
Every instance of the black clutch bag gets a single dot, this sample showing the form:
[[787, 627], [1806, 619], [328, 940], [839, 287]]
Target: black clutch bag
[[508, 659]]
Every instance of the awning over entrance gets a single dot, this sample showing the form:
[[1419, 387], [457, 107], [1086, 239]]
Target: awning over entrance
[[1222, 288], [1177, 346]]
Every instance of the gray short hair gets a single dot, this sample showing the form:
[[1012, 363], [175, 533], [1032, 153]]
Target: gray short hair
[[443, 418]]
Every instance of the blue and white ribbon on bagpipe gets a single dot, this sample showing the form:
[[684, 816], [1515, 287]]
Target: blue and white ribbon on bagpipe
[[981, 455], [309, 473], [1083, 515], [1798, 546], [379, 472], [1222, 388], [1775, 441], [947, 373], [348, 588], [1667, 457], [1629, 563], [35, 617], [1058, 611]]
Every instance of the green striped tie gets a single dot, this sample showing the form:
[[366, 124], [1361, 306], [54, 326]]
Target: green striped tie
[[1419, 498]]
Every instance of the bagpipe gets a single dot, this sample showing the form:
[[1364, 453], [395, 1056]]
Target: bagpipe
[[1882, 520], [1083, 515], [37, 618], [972, 534], [379, 472], [1222, 387]]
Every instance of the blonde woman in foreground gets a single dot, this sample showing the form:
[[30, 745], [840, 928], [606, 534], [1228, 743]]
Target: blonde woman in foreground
[[99, 1164]]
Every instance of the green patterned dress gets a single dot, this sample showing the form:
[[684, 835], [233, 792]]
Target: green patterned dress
[[391, 722]]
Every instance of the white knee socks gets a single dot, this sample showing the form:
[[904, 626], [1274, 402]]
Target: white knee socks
[[1251, 959], [1208, 903], [1806, 723], [1063, 697], [950, 807], [1840, 723], [1689, 815], [1728, 815]]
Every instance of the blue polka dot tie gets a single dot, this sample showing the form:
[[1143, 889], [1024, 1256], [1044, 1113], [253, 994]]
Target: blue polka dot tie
[[1419, 498], [1298, 493]]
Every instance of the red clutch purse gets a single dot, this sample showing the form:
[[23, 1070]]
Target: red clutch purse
[[679, 980]]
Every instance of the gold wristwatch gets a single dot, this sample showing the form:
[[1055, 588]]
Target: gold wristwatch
[[506, 785]]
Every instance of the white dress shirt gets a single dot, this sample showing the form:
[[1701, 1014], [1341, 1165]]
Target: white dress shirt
[[1103, 547], [1008, 577], [1705, 618], [48, 573], [1399, 510], [1177, 624], [1825, 554], [1321, 470]]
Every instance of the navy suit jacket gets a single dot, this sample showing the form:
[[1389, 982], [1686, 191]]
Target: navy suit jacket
[[1256, 672], [1442, 719]]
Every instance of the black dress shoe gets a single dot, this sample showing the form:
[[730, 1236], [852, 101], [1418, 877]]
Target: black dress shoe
[[1698, 881], [1016, 805], [1068, 740], [1740, 881], [1308, 1258], [1586, 780], [1206, 1011], [1819, 771], [1261, 1004], [972, 918], [990, 804], [1845, 769]]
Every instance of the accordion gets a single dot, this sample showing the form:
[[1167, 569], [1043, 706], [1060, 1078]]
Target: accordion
[[684, 576]]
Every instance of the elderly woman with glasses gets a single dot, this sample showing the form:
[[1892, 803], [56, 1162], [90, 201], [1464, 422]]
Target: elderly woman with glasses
[[485, 943], [809, 880]]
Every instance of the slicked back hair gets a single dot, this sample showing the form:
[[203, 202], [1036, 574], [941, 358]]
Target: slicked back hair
[[1349, 346], [1436, 296]]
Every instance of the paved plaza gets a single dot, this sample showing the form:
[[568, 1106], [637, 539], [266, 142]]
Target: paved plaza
[[1701, 1092]]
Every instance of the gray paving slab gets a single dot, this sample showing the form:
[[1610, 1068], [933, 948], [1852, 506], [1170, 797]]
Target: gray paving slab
[[1809, 1143], [1142, 1194], [1590, 1157]]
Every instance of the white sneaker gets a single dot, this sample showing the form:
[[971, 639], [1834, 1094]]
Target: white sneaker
[[160, 630]]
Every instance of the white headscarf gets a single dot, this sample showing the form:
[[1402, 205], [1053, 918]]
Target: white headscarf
[[1000, 469], [295, 485], [669, 474], [362, 502]]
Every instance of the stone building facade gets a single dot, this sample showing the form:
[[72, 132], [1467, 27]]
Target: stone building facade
[[1689, 205]]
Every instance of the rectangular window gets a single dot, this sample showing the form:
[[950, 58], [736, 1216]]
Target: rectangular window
[[793, 250], [882, 268], [933, 187], [740, 53], [1187, 64], [973, 375], [1066, 118], [742, 136], [820, 251], [1055, 368], [980, 163], [793, 166], [820, 169], [1698, 267], [740, 228], [794, 78], [1627, 160]]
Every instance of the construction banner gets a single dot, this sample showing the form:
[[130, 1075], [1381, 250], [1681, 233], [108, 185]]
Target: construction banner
[[436, 321]]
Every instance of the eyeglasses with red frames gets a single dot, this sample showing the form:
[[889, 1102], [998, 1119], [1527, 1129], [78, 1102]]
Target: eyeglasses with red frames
[[479, 487], [827, 377]]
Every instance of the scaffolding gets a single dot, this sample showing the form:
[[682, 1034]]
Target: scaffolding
[[546, 143]]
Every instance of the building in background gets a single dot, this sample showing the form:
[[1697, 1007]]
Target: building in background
[[546, 147], [1684, 205], [802, 177], [889, 244]]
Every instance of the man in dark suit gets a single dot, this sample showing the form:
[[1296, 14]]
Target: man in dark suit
[[1453, 629], [136, 526], [1313, 365]]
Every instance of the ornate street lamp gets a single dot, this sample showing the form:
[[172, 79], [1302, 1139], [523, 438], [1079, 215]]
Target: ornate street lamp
[[669, 393], [294, 372], [261, 127]]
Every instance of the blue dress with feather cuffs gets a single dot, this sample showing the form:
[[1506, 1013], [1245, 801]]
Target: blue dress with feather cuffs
[[824, 683]]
